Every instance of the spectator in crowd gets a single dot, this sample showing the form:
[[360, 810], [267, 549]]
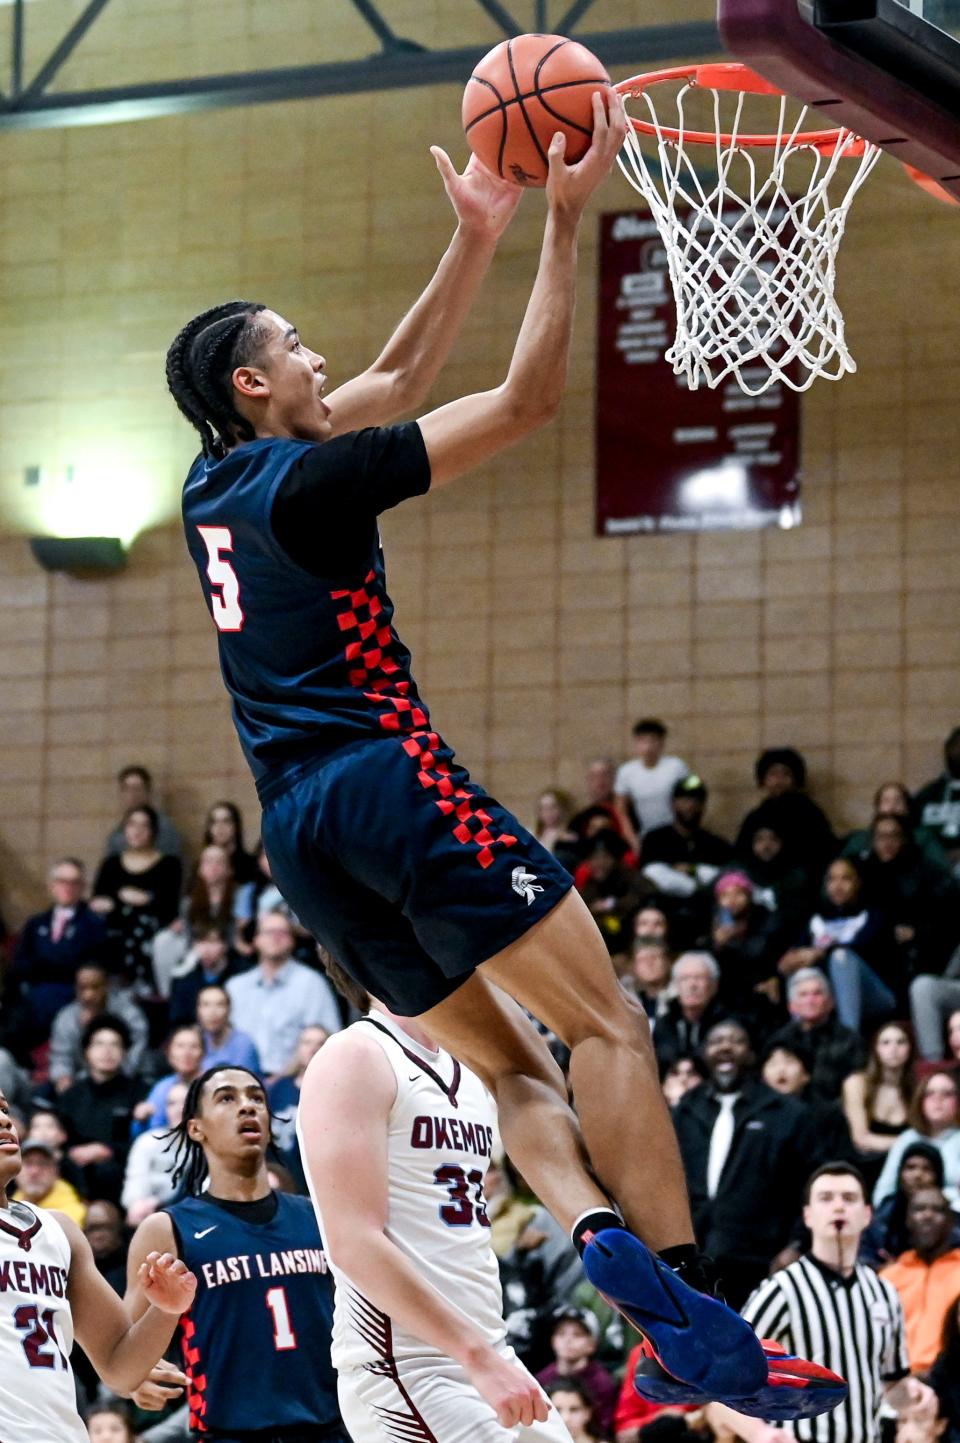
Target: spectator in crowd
[[927, 1276], [933, 1000], [893, 799], [277, 998], [934, 1118], [93, 997], [283, 1094], [937, 804], [54, 944], [944, 1376], [221, 1040], [742, 939], [209, 903], [649, 977], [224, 828], [98, 1109], [918, 896], [39, 1181], [683, 856], [643, 786], [137, 890], [109, 1423], [136, 790], [921, 1166], [837, 1051], [681, 1077], [652, 924], [694, 1009], [781, 775], [574, 1336], [207, 964], [148, 1181], [46, 1125], [601, 803], [853, 943], [552, 827], [782, 883], [104, 1233], [184, 1053], [849, 1319], [877, 1100], [14, 1081], [746, 1151], [575, 1406], [610, 887], [787, 1069]]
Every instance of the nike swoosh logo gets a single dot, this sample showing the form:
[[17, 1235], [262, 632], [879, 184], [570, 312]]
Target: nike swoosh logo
[[414, 1078], [207, 1230]]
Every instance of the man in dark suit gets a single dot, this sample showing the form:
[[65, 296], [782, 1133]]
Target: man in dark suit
[[54, 944], [746, 1153]]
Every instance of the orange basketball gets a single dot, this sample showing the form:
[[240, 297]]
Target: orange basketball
[[523, 92]]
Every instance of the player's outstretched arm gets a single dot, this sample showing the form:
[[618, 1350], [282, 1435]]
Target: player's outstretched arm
[[400, 378], [467, 432], [345, 1103], [122, 1350]]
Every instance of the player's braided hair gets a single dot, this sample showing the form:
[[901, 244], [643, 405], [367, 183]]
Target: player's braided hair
[[189, 1158], [200, 364]]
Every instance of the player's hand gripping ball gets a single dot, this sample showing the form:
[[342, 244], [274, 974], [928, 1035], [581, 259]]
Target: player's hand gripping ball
[[523, 92], [167, 1283]]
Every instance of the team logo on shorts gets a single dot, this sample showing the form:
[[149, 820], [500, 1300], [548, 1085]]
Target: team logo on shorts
[[524, 883]]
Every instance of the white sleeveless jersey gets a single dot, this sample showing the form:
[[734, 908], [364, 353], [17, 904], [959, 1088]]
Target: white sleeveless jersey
[[38, 1401], [440, 1134]]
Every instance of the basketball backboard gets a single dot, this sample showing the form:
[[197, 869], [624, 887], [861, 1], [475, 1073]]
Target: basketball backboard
[[887, 69]]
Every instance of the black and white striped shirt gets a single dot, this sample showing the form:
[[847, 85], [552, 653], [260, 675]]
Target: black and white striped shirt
[[852, 1325]]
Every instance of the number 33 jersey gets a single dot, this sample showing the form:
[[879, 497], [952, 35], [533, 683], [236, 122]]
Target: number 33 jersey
[[440, 1135], [38, 1400]]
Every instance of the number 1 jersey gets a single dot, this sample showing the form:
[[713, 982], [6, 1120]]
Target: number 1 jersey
[[38, 1399], [438, 1148]]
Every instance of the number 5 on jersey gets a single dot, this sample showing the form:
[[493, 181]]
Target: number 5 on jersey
[[224, 585]]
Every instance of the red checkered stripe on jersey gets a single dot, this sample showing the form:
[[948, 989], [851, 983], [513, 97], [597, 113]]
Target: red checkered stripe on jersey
[[197, 1381], [374, 670]]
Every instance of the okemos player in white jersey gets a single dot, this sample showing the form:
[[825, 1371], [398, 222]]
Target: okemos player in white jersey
[[396, 1137], [51, 1292]]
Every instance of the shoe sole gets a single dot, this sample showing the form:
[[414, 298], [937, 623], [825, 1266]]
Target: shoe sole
[[796, 1397], [698, 1339]]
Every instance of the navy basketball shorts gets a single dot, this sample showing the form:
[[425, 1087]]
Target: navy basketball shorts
[[405, 870]]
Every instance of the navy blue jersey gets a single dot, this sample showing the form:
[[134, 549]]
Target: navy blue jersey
[[256, 1343], [309, 656]]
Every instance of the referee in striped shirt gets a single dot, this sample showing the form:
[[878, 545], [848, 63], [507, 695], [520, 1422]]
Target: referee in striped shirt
[[834, 1310]]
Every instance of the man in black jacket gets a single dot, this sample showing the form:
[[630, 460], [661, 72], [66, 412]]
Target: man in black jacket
[[746, 1153], [682, 1028], [98, 1110], [837, 1051]]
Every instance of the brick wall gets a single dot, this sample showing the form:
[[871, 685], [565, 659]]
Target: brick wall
[[536, 643]]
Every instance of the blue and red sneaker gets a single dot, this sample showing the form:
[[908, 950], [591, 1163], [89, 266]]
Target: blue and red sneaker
[[795, 1388], [700, 1350]]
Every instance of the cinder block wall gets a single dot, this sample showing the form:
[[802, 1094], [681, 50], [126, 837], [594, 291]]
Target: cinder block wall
[[535, 643]]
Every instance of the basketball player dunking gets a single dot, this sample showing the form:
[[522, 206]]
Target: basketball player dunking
[[428, 891], [51, 1293], [256, 1342], [395, 1137]]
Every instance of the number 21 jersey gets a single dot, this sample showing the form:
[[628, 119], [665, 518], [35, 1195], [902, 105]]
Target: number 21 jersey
[[438, 1148], [38, 1400]]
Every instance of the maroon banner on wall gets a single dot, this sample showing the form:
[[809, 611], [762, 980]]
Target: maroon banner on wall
[[668, 458]]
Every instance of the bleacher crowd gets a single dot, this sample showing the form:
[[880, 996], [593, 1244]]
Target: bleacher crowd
[[803, 991]]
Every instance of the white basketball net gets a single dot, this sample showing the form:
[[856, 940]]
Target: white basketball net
[[753, 267]]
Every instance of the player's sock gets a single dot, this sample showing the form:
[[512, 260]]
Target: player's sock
[[688, 1262], [589, 1223]]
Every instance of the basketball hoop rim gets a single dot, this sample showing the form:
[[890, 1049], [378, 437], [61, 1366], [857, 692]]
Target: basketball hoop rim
[[731, 76]]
